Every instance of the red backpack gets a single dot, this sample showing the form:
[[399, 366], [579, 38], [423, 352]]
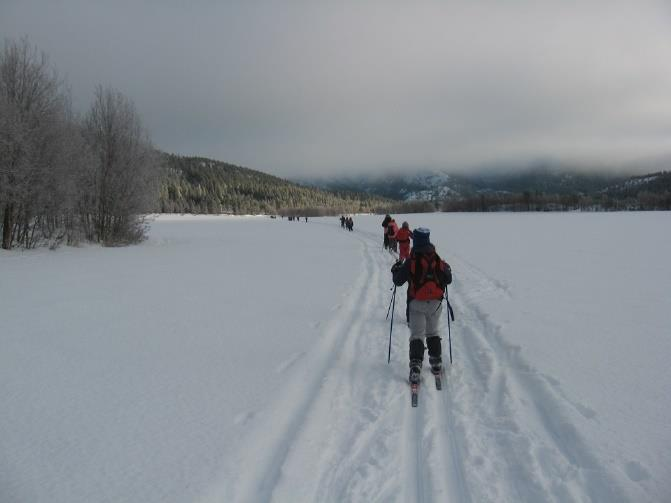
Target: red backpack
[[426, 271]]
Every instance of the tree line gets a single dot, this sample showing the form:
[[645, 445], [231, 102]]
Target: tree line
[[64, 177], [641, 200]]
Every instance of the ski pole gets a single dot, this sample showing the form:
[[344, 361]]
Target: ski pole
[[450, 314], [390, 301], [391, 327]]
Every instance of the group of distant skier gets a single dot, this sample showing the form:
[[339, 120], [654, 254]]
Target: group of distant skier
[[346, 223], [395, 239]]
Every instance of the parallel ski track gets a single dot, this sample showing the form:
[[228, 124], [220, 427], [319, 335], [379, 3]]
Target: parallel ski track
[[452, 481], [345, 479], [261, 481], [514, 424], [472, 441], [356, 418], [419, 477]]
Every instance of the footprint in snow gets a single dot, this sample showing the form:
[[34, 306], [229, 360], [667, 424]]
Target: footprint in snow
[[586, 412], [244, 417], [288, 362], [636, 471]]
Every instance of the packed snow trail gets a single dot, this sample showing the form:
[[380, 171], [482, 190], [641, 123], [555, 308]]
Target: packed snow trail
[[264, 376], [496, 432]]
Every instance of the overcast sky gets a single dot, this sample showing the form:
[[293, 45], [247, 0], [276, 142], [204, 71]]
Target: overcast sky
[[304, 88]]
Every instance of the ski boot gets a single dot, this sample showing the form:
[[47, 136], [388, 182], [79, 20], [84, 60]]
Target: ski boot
[[435, 360]]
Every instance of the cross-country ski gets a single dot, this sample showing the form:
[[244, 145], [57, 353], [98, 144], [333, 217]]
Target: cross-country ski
[[439, 382]]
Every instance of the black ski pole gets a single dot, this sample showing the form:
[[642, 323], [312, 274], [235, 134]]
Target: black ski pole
[[390, 301], [391, 327], [450, 314]]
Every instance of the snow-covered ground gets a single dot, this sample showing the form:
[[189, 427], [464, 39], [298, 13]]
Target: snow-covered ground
[[245, 359]]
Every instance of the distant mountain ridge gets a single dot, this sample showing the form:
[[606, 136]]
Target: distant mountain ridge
[[536, 188], [440, 185], [420, 186]]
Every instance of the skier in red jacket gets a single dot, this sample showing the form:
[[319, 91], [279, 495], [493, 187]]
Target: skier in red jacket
[[403, 237], [427, 276]]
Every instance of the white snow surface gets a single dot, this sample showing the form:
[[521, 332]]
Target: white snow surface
[[231, 359]]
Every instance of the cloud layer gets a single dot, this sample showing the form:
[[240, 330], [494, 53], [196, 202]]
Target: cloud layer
[[304, 88]]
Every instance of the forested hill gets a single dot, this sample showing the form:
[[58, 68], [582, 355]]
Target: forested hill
[[200, 185]]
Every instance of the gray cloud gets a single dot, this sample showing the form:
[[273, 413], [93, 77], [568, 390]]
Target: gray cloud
[[303, 88]]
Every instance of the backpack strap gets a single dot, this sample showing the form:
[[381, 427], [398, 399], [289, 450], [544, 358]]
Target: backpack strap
[[418, 273]]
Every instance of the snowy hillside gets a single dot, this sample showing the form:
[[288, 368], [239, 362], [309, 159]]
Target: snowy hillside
[[437, 186], [244, 359], [654, 182], [423, 185]]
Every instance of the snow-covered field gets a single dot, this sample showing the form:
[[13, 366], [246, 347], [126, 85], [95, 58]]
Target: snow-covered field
[[245, 359]]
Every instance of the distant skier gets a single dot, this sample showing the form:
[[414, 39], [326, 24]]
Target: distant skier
[[427, 276], [387, 219], [350, 224], [342, 221], [392, 229], [403, 238]]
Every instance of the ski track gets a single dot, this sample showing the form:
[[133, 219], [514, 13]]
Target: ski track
[[514, 425], [271, 453], [498, 431]]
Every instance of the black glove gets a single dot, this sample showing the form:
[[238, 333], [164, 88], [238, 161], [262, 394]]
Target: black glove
[[397, 266], [446, 274]]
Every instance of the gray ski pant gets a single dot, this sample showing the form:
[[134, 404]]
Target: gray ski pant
[[425, 318]]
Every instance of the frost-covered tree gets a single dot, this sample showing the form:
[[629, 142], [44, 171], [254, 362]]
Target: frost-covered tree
[[124, 174], [61, 177], [32, 111]]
